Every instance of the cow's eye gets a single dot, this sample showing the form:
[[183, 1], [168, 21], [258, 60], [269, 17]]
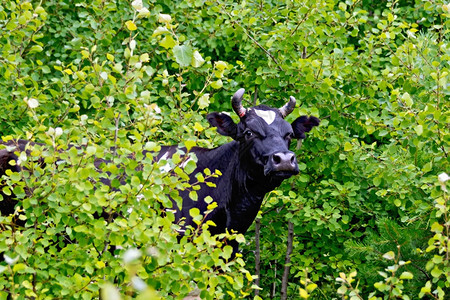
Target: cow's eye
[[248, 134]]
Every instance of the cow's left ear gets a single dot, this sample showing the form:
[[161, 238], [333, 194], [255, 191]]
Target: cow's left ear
[[224, 123], [304, 124]]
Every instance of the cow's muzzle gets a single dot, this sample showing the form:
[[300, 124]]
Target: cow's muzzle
[[283, 164]]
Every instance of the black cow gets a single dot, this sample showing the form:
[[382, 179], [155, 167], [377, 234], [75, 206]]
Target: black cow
[[255, 163]]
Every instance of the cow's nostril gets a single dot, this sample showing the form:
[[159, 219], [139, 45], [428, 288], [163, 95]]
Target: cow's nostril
[[276, 159]]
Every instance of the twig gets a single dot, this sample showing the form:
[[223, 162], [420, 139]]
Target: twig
[[254, 40], [257, 254], [116, 131], [287, 261]]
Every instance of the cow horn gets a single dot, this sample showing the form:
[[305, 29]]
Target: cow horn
[[288, 107], [236, 102]]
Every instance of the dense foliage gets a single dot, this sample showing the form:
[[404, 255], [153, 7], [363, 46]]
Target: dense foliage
[[367, 216]]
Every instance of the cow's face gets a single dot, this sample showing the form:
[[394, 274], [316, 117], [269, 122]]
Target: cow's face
[[264, 137]]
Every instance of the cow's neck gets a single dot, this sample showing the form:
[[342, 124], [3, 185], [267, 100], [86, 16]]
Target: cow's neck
[[242, 202]]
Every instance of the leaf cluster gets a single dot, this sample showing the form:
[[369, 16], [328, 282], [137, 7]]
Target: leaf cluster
[[113, 78]]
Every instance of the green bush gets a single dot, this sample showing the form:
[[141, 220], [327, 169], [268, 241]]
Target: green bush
[[368, 217]]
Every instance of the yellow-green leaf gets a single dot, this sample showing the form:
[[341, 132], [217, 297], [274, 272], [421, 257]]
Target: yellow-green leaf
[[217, 84], [189, 144], [164, 18], [348, 146], [436, 227], [311, 287], [159, 31], [436, 272], [390, 17], [197, 59], [389, 255], [419, 129], [130, 25], [203, 101], [406, 98], [85, 54], [221, 65], [168, 42], [198, 126], [406, 275], [303, 293]]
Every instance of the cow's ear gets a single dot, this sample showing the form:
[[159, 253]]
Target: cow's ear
[[224, 124], [304, 124]]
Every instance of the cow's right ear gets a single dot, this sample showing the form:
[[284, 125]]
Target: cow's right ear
[[224, 123], [304, 124]]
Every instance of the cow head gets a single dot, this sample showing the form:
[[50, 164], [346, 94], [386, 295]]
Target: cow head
[[264, 136]]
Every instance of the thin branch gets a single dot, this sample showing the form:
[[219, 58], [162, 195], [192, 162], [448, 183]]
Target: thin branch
[[274, 283], [116, 131], [253, 39], [301, 22], [261, 47], [257, 254], [287, 261]]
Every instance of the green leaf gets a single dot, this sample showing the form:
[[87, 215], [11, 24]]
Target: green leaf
[[91, 150], [427, 167], [203, 101], [19, 267], [6, 190], [390, 17], [197, 59], [341, 290], [348, 146], [436, 272], [217, 84], [110, 292], [3, 269], [342, 6], [164, 18], [159, 31], [183, 55], [419, 129], [406, 275], [221, 65], [390, 255], [437, 259], [130, 25], [194, 212], [227, 251], [35, 49], [381, 286], [370, 129], [189, 144], [436, 227], [198, 127], [168, 42], [304, 294], [377, 181], [406, 98], [190, 166]]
